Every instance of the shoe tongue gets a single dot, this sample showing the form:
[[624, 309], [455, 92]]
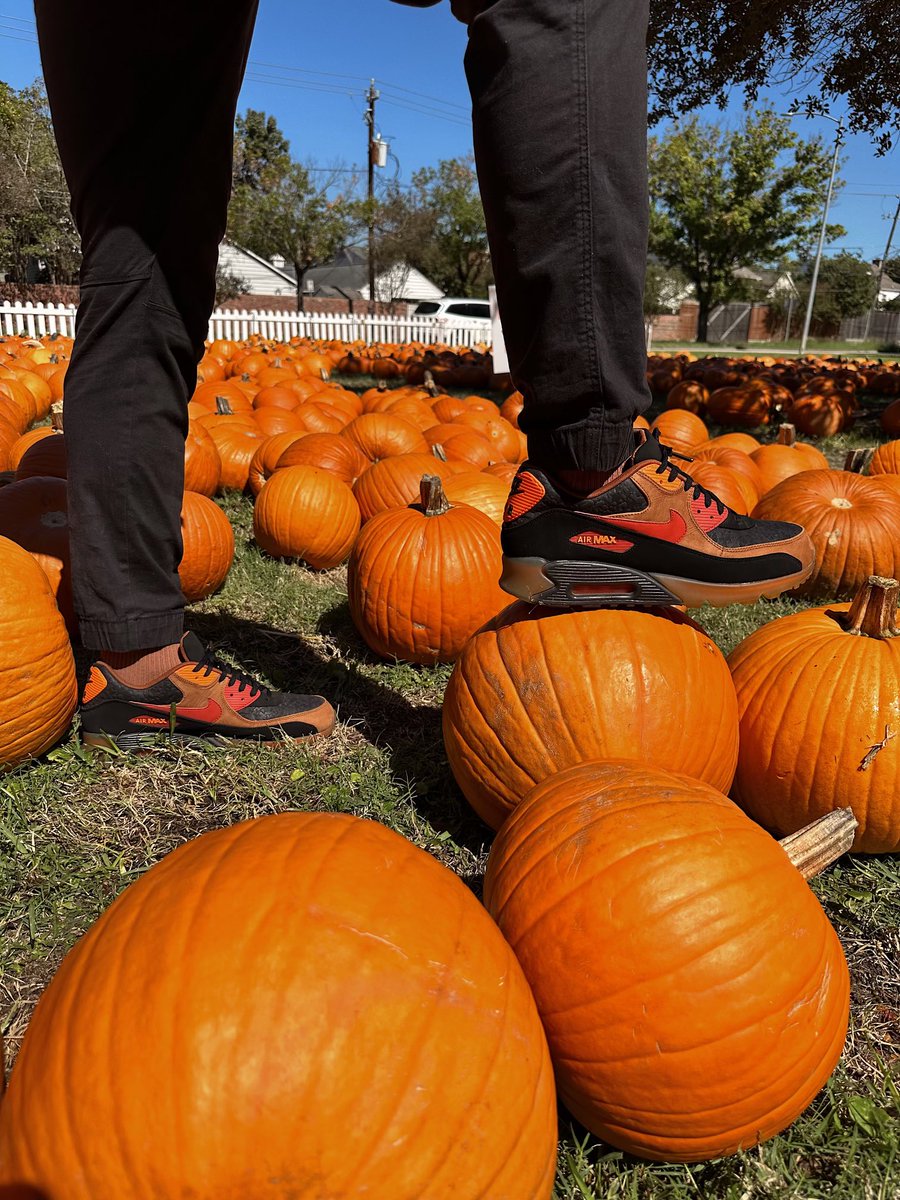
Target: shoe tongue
[[191, 648], [648, 448]]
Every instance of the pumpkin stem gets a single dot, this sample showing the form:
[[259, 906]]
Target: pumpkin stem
[[429, 385], [324, 374], [56, 416], [439, 452], [858, 460], [431, 494], [787, 434], [223, 408], [873, 612], [816, 846]]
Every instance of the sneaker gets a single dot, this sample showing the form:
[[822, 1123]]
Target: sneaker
[[649, 536], [202, 700]]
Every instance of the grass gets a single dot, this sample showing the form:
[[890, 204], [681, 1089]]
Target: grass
[[79, 826], [825, 346]]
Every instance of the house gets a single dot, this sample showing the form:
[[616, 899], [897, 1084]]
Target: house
[[769, 282], [888, 289], [347, 277], [261, 277]]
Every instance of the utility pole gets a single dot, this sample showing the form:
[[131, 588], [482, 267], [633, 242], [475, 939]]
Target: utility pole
[[881, 266], [369, 118], [838, 142]]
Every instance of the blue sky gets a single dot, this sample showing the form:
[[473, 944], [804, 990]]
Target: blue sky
[[310, 63]]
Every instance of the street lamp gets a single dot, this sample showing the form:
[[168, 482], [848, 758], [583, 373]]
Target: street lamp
[[838, 142]]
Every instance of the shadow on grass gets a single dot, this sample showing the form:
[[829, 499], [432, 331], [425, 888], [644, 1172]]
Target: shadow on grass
[[409, 734]]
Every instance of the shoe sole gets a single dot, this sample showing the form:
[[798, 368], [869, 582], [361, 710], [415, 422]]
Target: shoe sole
[[566, 584], [136, 742]]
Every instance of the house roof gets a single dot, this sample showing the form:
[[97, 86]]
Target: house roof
[[283, 273], [348, 275]]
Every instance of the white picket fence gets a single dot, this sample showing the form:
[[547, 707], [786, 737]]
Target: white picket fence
[[35, 320]]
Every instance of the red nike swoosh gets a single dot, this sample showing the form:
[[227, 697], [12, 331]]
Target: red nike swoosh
[[672, 530], [209, 712]]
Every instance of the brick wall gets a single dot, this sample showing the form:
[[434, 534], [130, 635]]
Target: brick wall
[[677, 327]]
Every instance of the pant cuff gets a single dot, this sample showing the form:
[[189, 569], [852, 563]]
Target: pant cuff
[[136, 633], [592, 445]]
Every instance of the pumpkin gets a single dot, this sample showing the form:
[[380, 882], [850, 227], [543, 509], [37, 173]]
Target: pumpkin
[[745, 406], [694, 994], [236, 444], [45, 457], [202, 464], [208, 547], [537, 691], [394, 482], [890, 420], [829, 678], [728, 485], [852, 521], [269, 453], [272, 421], [680, 429], [218, 396], [504, 471], [24, 442], [34, 514], [735, 460], [497, 432], [422, 579], [466, 446], [37, 671], [276, 396], [303, 512], [786, 457], [732, 441], [886, 460], [329, 452], [485, 492], [446, 409], [381, 435], [689, 394], [348, 1021], [821, 415], [511, 408], [319, 418]]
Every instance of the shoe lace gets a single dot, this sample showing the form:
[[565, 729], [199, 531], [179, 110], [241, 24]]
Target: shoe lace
[[694, 489], [229, 675]]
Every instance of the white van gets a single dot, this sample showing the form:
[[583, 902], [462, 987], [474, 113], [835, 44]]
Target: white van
[[456, 310]]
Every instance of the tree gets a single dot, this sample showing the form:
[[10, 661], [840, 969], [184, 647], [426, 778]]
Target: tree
[[722, 200], [36, 226], [846, 288], [663, 289], [892, 268], [827, 50], [229, 286], [262, 154], [444, 224], [296, 218]]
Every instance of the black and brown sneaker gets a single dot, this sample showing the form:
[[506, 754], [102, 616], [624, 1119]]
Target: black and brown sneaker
[[202, 699], [649, 536]]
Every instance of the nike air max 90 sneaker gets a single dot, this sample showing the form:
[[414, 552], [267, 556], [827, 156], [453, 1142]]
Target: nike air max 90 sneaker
[[202, 699], [649, 536]]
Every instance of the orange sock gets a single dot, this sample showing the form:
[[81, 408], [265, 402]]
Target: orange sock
[[140, 668]]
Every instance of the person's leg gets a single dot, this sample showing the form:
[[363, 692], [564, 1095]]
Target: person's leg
[[559, 94], [143, 100], [596, 516]]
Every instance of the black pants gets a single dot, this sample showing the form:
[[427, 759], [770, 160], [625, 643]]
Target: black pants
[[143, 99]]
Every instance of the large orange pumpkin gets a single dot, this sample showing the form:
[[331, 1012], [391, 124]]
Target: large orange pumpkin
[[208, 547], [852, 520], [268, 454], [202, 464], [422, 579], [394, 482], [819, 700], [536, 691], [236, 444], [695, 996], [303, 1005], [37, 671], [680, 429], [329, 452], [485, 492], [786, 457], [886, 459], [303, 512], [381, 435], [45, 457]]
